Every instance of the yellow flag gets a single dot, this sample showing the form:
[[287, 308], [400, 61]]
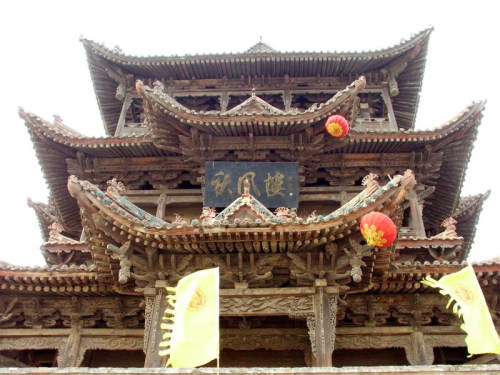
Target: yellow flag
[[463, 289], [191, 335]]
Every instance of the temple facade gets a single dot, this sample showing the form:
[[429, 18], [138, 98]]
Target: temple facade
[[223, 161]]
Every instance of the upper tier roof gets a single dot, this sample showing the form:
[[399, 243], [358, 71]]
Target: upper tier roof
[[107, 67], [254, 115], [54, 144]]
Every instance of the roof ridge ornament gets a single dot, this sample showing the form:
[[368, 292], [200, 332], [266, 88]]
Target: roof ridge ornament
[[114, 187], [246, 188], [449, 229], [370, 183], [55, 234], [261, 47], [156, 85], [57, 119]]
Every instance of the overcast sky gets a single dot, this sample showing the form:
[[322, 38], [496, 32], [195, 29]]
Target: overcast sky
[[45, 71]]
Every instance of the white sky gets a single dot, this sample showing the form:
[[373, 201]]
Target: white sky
[[45, 71]]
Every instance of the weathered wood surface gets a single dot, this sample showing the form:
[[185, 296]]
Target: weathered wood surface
[[381, 370], [154, 333], [418, 344], [322, 328]]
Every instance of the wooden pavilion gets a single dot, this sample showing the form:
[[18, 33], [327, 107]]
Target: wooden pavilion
[[129, 213]]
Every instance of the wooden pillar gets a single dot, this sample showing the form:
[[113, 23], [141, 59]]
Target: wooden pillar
[[155, 308], [224, 101], [418, 352], [390, 110], [417, 221], [287, 99], [321, 325], [123, 114], [162, 204], [70, 355]]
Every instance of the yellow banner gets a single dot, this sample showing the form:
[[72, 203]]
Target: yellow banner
[[463, 289], [191, 325]]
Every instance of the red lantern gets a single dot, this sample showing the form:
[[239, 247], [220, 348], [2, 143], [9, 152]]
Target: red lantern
[[378, 229], [337, 126]]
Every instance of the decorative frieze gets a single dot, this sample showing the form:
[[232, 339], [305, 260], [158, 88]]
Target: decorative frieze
[[269, 339], [265, 305], [32, 342]]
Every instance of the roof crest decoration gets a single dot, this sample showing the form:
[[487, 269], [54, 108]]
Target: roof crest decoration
[[116, 202], [449, 230], [55, 235], [245, 211], [259, 47]]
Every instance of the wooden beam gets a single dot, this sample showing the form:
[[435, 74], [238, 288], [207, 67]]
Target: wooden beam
[[390, 111], [419, 352], [152, 330], [486, 358], [322, 329], [162, 204], [123, 114], [417, 220], [69, 355]]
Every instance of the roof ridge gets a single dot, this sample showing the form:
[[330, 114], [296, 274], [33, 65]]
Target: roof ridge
[[261, 47], [116, 52]]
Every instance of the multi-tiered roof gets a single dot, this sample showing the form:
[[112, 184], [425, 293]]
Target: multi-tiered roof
[[110, 228]]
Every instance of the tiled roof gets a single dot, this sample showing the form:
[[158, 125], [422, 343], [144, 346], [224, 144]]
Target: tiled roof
[[253, 115], [456, 152], [268, 64]]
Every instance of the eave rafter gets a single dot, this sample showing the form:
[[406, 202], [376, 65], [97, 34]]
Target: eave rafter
[[62, 280]]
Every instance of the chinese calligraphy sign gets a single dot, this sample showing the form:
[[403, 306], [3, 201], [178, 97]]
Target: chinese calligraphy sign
[[273, 184]]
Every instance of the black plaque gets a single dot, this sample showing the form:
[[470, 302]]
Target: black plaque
[[273, 184]]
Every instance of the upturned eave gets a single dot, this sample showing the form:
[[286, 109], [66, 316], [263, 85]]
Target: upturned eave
[[109, 68], [467, 216], [166, 115]]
